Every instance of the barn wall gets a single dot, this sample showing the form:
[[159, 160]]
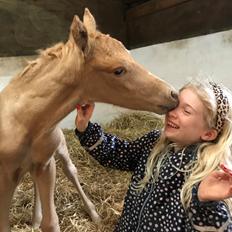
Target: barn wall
[[175, 62]]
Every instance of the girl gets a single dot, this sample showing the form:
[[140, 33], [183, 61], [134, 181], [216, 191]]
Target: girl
[[176, 183]]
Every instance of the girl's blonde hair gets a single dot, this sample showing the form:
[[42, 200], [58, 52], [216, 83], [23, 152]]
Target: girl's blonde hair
[[209, 154]]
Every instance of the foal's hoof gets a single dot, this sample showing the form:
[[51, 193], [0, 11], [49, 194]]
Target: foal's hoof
[[95, 217], [36, 222]]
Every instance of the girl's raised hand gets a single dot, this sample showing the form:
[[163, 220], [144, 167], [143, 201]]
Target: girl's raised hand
[[215, 187], [84, 113]]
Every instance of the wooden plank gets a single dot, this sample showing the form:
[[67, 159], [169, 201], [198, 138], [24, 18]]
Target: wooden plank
[[151, 7], [132, 1], [28, 25], [189, 19]]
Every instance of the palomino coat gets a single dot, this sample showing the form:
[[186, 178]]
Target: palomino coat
[[158, 206]]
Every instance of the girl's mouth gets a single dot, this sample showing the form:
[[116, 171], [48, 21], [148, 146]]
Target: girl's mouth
[[172, 125]]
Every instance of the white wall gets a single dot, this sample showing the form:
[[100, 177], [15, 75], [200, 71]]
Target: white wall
[[176, 62]]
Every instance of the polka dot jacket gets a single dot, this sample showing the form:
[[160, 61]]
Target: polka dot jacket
[[158, 207]]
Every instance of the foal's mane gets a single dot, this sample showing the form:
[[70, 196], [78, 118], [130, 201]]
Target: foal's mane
[[47, 59], [53, 59]]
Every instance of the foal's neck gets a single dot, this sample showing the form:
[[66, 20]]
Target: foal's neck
[[47, 92]]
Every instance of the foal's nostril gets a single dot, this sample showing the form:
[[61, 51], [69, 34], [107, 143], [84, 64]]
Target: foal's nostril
[[174, 95]]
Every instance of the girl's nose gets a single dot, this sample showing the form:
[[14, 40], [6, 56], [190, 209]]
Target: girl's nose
[[173, 113]]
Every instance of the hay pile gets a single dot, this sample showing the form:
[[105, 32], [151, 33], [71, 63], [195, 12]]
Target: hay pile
[[105, 187]]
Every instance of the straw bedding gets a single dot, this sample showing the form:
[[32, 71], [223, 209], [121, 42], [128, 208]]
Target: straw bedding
[[105, 187]]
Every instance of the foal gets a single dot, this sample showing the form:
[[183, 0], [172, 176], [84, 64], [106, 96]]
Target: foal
[[89, 67]]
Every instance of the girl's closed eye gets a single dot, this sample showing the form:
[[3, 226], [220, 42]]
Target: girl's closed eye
[[187, 111]]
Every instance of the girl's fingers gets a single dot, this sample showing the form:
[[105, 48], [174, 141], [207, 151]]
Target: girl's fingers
[[226, 169], [78, 106], [84, 112]]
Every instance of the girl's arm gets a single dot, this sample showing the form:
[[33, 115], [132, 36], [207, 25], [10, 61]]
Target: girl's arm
[[108, 149], [113, 152], [208, 211]]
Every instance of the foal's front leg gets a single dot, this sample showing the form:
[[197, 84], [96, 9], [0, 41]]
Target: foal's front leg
[[7, 187], [71, 172], [37, 210], [44, 177]]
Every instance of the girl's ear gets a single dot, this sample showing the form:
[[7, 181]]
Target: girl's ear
[[209, 135]]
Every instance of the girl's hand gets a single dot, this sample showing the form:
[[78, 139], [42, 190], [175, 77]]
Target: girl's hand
[[215, 187], [84, 114]]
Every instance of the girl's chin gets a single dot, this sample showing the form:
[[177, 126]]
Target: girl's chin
[[170, 130], [170, 135], [167, 135]]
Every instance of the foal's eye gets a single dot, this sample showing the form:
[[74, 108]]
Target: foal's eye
[[119, 71]]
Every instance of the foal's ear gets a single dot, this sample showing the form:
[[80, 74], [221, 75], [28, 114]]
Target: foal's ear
[[89, 22], [78, 33]]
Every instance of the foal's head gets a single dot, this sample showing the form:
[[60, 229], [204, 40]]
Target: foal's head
[[107, 72]]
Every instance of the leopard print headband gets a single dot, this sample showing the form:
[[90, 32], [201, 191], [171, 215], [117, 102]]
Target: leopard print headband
[[222, 105]]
